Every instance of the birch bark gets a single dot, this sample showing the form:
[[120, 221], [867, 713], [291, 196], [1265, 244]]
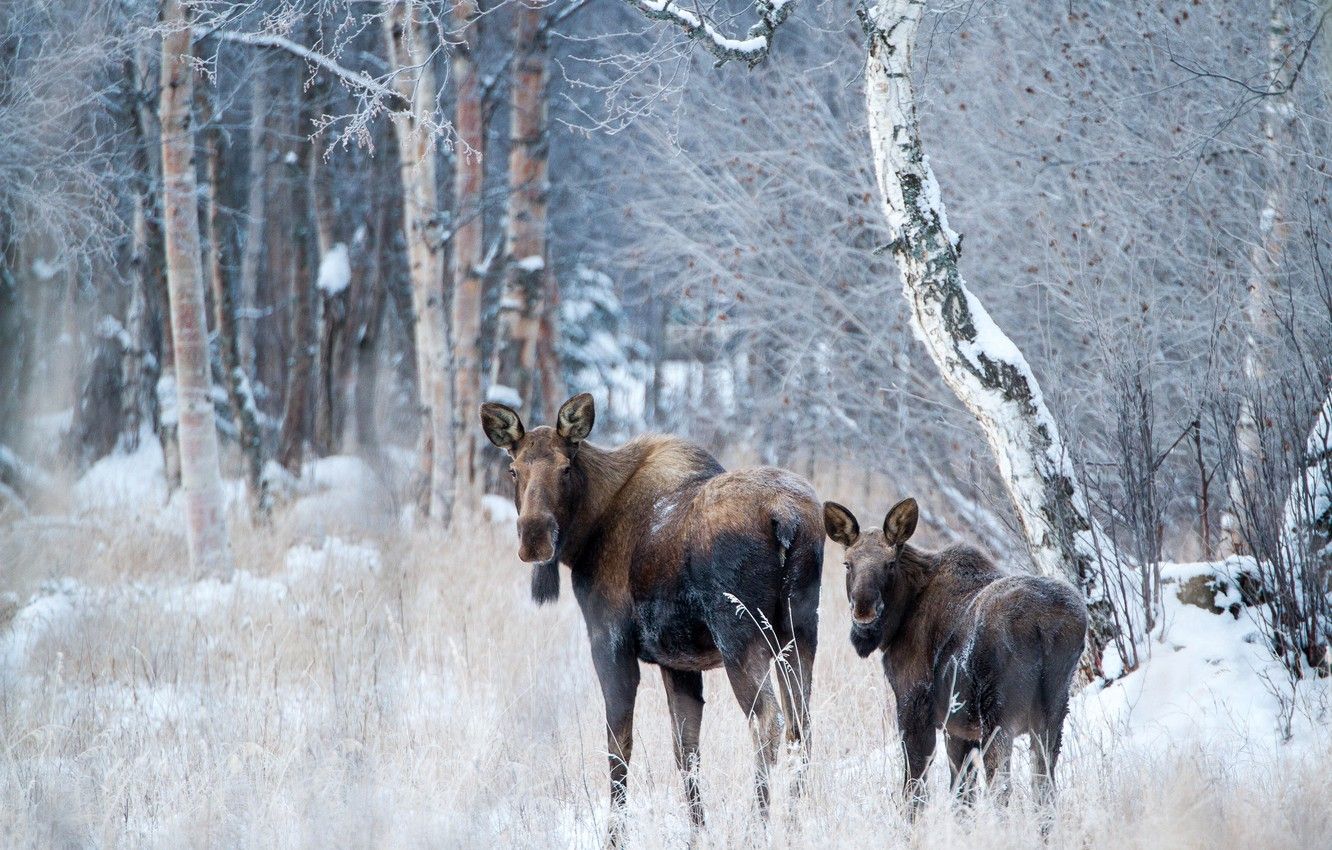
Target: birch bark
[[201, 479]]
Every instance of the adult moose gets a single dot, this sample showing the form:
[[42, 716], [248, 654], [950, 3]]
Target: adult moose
[[663, 547], [983, 654]]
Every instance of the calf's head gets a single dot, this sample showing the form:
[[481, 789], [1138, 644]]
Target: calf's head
[[548, 481], [875, 579]]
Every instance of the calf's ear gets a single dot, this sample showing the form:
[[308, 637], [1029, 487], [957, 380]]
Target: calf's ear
[[840, 524], [575, 419], [900, 523], [502, 425]]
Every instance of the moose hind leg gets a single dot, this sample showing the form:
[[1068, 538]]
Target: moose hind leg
[[1044, 756], [795, 676], [684, 695], [962, 759], [998, 752], [753, 690]]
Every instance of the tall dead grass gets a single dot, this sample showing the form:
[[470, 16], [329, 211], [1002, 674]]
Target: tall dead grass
[[326, 699]]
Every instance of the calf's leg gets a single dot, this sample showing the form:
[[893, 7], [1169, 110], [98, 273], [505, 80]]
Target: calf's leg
[[998, 752], [1044, 756], [962, 757], [917, 730], [684, 695]]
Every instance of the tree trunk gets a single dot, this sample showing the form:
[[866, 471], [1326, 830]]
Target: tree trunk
[[1277, 123], [468, 247], [150, 266], [414, 80], [977, 360], [253, 246], [297, 415], [526, 265], [333, 297], [201, 479], [243, 409]]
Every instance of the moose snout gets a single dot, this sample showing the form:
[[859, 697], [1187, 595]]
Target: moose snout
[[867, 614], [537, 536]]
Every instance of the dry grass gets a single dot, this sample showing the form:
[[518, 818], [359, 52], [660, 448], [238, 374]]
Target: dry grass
[[429, 703]]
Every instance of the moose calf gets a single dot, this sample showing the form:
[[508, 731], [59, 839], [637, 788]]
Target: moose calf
[[980, 653]]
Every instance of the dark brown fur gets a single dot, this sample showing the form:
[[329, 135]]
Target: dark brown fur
[[982, 654], [662, 545]]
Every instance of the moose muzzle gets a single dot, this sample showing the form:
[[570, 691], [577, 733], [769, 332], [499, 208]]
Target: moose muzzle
[[537, 538]]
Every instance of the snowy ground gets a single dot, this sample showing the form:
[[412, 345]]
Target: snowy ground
[[361, 684]]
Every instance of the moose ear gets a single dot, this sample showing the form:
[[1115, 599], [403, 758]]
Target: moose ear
[[840, 524], [575, 419], [900, 523], [501, 425]]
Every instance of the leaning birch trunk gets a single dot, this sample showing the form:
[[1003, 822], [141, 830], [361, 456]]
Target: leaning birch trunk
[[201, 479], [468, 247], [415, 83], [980, 364], [526, 268]]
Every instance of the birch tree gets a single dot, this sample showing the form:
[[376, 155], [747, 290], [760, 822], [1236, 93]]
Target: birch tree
[[981, 365], [201, 479], [1277, 118], [414, 82]]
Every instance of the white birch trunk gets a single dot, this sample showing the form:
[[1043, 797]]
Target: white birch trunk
[[980, 364], [1277, 125], [415, 83], [201, 479]]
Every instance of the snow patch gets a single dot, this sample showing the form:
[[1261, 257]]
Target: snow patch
[[505, 395], [498, 510], [335, 270]]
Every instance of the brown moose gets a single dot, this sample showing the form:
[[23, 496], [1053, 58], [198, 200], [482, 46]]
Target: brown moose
[[675, 562], [980, 653]]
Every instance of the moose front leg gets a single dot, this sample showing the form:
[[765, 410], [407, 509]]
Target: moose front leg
[[617, 669], [918, 733]]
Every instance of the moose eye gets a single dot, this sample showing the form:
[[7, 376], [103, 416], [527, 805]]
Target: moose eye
[[513, 473], [566, 472], [847, 564]]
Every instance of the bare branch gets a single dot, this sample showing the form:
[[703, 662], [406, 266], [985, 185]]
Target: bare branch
[[367, 84]]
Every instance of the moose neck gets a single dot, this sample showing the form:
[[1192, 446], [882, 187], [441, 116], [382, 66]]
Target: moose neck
[[606, 472], [915, 568]]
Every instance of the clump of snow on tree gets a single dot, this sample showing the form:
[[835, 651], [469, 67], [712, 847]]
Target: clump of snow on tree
[[335, 270], [505, 395]]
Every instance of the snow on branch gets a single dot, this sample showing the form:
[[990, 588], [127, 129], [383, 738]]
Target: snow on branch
[[752, 49], [367, 84]]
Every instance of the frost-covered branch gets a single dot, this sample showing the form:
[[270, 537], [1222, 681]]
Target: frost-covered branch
[[367, 84], [978, 361], [752, 49]]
